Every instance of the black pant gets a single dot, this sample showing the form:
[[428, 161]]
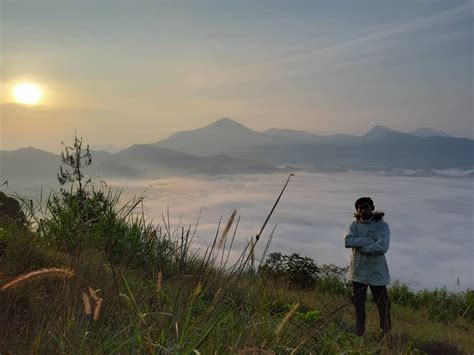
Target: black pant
[[382, 301]]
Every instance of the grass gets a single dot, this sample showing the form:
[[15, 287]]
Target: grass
[[139, 288]]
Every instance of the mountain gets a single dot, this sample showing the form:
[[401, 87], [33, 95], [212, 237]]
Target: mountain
[[226, 136], [227, 147], [137, 161], [221, 137], [380, 131], [387, 136], [381, 148], [294, 135], [428, 132], [147, 160], [106, 147], [28, 162], [306, 137]]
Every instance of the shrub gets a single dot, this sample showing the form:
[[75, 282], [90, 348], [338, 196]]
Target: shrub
[[332, 279], [441, 304], [297, 271], [303, 272]]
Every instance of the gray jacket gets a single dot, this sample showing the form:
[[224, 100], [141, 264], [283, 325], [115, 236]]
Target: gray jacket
[[369, 241]]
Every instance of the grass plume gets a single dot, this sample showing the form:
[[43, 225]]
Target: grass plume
[[38, 274], [227, 229], [93, 294], [286, 319], [86, 304], [98, 306], [159, 281]]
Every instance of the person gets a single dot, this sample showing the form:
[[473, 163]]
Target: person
[[369, 238]]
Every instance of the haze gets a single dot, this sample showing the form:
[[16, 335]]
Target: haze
[[135, 72]]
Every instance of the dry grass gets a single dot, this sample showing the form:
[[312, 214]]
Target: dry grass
[[198, 289], [98, 306], [87, 304], [93, 294], [227, 228], [38, 274], [284, 321], [159, 281]]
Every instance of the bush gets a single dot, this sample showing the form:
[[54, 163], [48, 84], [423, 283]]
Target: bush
[[332, 279], [297, 271], [303, 272], [441, 304]]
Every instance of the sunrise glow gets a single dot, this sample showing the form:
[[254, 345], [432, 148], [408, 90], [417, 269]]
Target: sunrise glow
[[27, 94]]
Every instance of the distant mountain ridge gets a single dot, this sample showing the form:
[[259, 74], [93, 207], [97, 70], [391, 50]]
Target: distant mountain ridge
[[137, 161], [380, 148], [228, 147]]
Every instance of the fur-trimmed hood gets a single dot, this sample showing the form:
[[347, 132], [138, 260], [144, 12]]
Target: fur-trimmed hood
[[376, 216]]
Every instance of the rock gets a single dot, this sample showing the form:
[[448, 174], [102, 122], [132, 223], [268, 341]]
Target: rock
[[10, 210]]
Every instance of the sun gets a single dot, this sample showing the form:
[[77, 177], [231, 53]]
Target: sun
[[27, 93]]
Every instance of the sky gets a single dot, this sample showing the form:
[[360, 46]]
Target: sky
[[125, 72]]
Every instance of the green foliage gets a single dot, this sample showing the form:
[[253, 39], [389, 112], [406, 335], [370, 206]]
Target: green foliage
[[21, 250], [441, 304], [306, 314], [303, 272], [297, 271], [76, 220], [193, 308], [332, 279], [306, 318]]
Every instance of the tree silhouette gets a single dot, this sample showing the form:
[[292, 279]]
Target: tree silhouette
[[75, 158]]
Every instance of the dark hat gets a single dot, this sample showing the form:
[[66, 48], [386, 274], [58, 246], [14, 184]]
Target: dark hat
[[364, 200]]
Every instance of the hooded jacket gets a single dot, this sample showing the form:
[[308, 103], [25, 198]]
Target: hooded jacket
[[369, 241]]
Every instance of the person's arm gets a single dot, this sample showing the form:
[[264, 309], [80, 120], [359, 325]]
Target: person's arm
[[381, 244], [352, 241]]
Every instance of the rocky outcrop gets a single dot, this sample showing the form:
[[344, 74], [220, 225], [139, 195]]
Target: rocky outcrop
[[10, 210]]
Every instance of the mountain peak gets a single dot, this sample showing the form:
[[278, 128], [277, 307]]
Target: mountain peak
[[225, 122], [379, 130]]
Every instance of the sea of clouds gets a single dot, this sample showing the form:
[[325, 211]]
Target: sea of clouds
[[431, 218]]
